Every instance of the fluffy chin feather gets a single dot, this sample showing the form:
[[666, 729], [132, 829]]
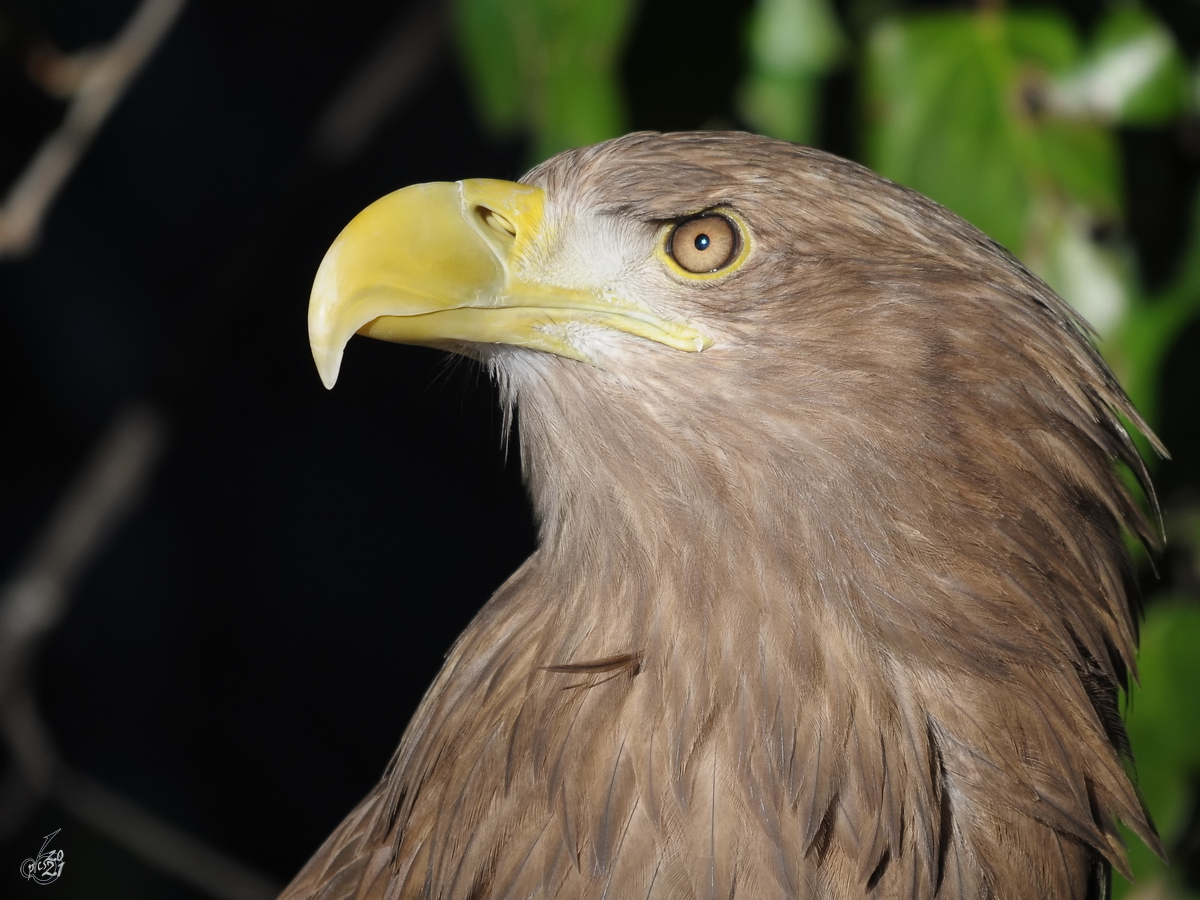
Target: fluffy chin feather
[[836, 606]]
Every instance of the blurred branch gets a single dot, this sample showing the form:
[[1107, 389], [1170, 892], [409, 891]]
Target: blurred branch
[[382, 83], [34, 600], [158, 842], [31, 604], [102, 78], [34, 761]]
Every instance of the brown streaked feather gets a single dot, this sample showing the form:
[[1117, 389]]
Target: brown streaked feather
[[842, 602]]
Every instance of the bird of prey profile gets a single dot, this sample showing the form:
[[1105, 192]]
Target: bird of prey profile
[[831, 597]]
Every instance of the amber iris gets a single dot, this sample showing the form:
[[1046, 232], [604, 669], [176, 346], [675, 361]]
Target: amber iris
[[704, 244]]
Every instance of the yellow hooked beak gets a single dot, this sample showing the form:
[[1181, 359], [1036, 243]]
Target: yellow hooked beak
[[441, 263]]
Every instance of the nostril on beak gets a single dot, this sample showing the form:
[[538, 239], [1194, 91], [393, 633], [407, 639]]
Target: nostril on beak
[[496, 221]]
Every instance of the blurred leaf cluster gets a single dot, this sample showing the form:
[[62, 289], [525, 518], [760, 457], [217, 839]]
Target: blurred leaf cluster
[[1008, 118], [1011, 116]]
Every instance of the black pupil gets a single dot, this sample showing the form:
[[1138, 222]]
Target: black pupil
[[702, 242]]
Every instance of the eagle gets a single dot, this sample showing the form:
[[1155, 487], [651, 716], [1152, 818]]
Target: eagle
[[832, 592]]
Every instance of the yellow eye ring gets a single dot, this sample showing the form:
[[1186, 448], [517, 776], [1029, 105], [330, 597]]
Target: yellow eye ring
[[708, 245]]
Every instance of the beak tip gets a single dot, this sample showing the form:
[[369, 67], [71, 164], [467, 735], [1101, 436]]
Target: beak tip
[[328, 366]]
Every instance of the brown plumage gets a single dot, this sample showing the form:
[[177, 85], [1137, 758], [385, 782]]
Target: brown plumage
[[836, 608]]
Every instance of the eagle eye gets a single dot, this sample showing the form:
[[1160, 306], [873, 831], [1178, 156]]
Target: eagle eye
[[704, 244]]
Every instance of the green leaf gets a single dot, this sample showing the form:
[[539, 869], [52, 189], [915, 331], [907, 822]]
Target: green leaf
[[939, 99], [1043, 39], [794, 36], [1163, 720], [1164, 710], [1091, 277], [1138, 349], [959, 108], [492, 64], [792, 44], [782, 106], [1082, 162], [1133, 73], [548, 66]]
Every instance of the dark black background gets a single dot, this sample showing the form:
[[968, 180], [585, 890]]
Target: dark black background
[[243, 655]]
